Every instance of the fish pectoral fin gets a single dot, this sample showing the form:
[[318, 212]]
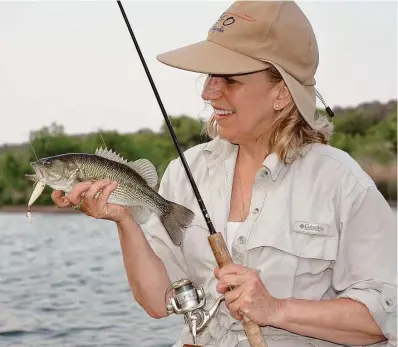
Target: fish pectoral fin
[[140, 214], [146, 170]]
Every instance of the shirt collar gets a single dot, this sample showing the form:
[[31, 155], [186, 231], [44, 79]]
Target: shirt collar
[[219, 150], [273, 165]]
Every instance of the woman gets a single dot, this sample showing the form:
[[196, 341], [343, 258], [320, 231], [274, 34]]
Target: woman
[[312, 239]]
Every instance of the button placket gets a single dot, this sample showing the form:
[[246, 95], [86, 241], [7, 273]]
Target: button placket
[[242, 236], [258, 199]]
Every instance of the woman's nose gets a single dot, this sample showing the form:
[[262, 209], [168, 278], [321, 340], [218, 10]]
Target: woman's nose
[[212, 89]]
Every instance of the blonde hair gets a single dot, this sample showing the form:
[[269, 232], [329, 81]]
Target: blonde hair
[[289, 130]]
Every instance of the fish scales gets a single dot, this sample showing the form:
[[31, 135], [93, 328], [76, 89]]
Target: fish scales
[[131, 186]]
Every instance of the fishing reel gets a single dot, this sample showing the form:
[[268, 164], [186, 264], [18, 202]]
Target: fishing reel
[[189, 300]]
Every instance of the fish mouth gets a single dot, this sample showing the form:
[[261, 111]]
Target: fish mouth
[[39, 173]]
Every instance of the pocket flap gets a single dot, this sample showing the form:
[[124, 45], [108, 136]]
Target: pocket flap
[[315, 240], [312, 240]]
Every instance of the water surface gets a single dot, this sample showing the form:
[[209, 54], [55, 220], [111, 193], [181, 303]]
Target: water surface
[[62, 283]]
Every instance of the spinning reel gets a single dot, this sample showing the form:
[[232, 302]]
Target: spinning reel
[[189, 301]]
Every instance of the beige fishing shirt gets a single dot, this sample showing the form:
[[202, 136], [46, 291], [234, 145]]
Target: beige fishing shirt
[[318, 229]]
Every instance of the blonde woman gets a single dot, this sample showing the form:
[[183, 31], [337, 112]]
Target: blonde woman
[[312, 239]]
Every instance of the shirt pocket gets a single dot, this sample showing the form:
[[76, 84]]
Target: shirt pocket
[[314, 240], [294, 261], [316, 251]]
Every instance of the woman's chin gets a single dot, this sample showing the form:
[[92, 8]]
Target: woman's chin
[[227, 134]]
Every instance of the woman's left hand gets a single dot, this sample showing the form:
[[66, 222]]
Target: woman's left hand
[[249, 295]]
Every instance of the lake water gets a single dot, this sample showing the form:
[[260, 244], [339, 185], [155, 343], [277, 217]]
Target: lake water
[[62, 283]]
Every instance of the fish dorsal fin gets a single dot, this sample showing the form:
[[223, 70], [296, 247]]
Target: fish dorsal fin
[[146, 170], [141, 166], [108, 154]]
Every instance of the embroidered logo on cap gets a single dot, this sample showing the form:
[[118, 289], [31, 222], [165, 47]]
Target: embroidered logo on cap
[[228, 18]]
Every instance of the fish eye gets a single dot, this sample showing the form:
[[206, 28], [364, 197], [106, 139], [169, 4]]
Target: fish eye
[[47, 163]]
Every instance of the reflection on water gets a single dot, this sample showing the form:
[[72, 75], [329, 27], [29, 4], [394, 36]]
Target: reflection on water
[[62, 283]]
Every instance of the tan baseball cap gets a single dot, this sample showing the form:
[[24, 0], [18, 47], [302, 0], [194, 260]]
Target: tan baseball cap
[[252, 35]]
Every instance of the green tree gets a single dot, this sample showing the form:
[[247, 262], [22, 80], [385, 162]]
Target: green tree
[[368, 132]]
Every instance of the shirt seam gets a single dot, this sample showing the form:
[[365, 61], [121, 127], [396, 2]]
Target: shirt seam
[[349, 170]]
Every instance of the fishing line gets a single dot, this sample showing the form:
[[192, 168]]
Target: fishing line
[[216, 240], [30, 142], [170, 127], [102, 138]]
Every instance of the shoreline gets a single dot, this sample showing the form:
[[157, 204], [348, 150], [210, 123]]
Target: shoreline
[[57, 210], [36, 209]]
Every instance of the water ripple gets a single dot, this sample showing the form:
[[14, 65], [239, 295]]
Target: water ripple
[[62, 283]]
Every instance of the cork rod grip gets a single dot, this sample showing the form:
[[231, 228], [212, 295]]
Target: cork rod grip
[[221, 253]]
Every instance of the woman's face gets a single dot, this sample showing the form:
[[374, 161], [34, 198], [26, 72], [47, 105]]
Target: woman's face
[[244, 105]]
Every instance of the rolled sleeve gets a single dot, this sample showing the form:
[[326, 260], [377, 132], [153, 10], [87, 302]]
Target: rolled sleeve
[[158, 238], [366, 266]]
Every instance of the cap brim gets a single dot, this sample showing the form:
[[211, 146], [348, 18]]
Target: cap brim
[[211, 58]]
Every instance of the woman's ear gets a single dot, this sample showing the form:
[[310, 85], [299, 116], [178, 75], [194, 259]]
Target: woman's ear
[[283, 98]]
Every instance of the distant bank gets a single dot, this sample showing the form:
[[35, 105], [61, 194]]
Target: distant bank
[[36, 209], [55, 209]]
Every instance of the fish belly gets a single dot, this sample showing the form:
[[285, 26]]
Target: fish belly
[[137, 196]]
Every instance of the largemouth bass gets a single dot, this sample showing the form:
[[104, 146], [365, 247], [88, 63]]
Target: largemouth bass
[[135, 191]]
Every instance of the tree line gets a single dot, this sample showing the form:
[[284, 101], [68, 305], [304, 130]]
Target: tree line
[[368, 132]]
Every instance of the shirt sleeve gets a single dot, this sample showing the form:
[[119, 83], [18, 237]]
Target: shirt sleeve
[[158, 238], [366, 265]]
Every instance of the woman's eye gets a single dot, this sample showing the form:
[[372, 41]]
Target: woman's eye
[[229, 80]]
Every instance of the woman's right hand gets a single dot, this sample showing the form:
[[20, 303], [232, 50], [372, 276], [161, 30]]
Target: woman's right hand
[[84, 193]]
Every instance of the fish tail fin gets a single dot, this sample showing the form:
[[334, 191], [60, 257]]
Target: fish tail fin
[[175, 219]]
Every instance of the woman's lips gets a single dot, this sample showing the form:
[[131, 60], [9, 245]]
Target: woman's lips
[[222, 113]]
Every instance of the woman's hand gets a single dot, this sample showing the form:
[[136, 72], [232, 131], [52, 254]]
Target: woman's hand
[[85, 195], [248, 297]]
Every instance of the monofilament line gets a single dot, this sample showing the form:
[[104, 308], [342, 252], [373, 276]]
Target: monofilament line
[[30, 142], [102, 138]]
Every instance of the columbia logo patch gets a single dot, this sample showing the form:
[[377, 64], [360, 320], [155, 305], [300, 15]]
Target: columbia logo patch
[[311, 228]]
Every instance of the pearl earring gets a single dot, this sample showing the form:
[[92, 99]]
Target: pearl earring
[[277, 106]]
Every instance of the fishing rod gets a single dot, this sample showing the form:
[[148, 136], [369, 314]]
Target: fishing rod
[[216, 240]]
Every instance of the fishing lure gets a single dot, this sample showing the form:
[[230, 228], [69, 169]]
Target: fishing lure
[[35, 195]]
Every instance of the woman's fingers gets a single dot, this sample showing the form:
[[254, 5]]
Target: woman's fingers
[[235, 309], [92, 198], [228, 281], [232, 295], [58, 197], [75, 195], [91, 195], [106, 192]]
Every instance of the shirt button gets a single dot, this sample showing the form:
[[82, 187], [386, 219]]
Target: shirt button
[[389, 302], [256, 210], [241, 239]]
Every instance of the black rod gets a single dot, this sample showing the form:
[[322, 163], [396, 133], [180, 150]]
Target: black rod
[[170, 127]]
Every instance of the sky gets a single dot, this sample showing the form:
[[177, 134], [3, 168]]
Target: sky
[[74, 63]]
